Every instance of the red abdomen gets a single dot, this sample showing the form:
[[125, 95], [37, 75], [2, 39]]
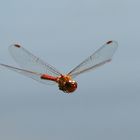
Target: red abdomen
[[48, 77]]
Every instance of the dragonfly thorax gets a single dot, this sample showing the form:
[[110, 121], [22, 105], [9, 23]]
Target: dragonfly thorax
[[66, 84]]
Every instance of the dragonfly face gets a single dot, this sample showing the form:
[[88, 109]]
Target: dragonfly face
[[66, 84]]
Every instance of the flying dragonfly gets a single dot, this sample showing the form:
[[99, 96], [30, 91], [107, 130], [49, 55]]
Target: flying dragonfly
[[35, 68]]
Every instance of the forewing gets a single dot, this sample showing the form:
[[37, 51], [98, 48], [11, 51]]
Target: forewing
[[98, 58], [30, 62], [34, 75]]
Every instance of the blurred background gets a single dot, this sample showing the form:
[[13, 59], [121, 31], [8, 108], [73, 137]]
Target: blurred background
[[63, 33]]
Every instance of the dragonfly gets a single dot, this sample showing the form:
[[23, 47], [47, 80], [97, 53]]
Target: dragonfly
[[35, 68]]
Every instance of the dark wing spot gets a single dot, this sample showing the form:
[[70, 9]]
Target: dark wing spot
[[108, 42], [16, 45]]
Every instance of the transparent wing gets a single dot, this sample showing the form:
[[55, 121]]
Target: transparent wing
[[34, 75], [98, 58], [28, 61]]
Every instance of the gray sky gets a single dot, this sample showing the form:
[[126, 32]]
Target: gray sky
[[63, 33]]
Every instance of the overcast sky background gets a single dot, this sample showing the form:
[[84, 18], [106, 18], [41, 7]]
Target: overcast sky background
[[106, 105]]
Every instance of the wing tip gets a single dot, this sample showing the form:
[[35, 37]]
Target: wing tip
[[17, 45], [109, 42], [112, 42]]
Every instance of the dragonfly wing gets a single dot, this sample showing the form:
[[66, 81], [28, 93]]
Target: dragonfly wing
[[28, 61], [34, 75], [98, 58]]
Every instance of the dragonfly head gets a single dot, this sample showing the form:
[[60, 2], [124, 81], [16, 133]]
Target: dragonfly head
[[66, 84], [70, 86]]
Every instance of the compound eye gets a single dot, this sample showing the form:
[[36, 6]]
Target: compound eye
[[68, 84]]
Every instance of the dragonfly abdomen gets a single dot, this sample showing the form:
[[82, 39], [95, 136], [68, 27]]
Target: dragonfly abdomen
[[48, 77]]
